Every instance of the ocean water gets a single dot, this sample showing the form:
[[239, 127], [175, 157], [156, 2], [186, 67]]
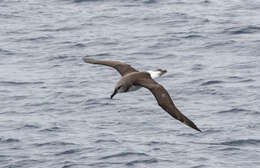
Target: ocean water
[[56, 111]]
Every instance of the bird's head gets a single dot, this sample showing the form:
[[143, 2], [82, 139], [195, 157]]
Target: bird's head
[[162, 71], [120, 88]]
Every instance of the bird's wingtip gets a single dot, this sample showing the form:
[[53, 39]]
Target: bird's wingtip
[[191, 124], [87, 60], [198, 129], [195, 127], [84, 58]]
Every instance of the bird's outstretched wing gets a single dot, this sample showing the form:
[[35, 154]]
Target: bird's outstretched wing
[[163, 99], [121, 67]]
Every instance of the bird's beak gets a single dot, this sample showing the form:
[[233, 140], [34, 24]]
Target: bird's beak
[[114, 93], [163, 72]]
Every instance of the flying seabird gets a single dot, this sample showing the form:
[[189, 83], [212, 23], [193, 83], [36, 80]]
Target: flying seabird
[[131, 78]]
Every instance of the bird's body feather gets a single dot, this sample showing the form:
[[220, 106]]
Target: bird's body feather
[[132, 80]]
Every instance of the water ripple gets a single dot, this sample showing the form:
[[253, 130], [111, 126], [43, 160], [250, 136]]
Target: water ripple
[[53, 143], [15, 83], [80, 1], [107, 141], [230, 149], [124, 154], [52, 129], [241, 142], [68, 152], [6, 52], [29, 126], [144, 161], [150, 1], [9, 140], [192, 36], [233, 110], [244, 30], [211, 82], [63, 29]]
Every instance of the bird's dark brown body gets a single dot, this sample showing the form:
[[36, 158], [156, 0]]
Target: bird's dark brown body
[[131, 77]]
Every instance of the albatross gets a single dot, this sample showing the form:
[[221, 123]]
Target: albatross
[[132, 80]]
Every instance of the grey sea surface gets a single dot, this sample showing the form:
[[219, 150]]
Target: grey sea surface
[[56, 111]]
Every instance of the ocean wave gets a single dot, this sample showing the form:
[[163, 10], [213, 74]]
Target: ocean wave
[[199, 166], [211, 131], [149, 1], [235, 77], [244, 30], [124, 154], [80, 45], [240, 110], [30, 126], [238, 142], [198, 67], [52, 129], [68, 152], [142, 161], [81, 1], [106, 141], [241, 142], [9, 140], [54, 143], [3, 156], [104, 164], [59, 57], [38, 39], [24, 163], [61, 29], [247, 80], [6, 52], [192, 36], [16, 83], [70, 165], [211, 82], [233, 110], [229, 149], [152, 143], [100, 101]]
